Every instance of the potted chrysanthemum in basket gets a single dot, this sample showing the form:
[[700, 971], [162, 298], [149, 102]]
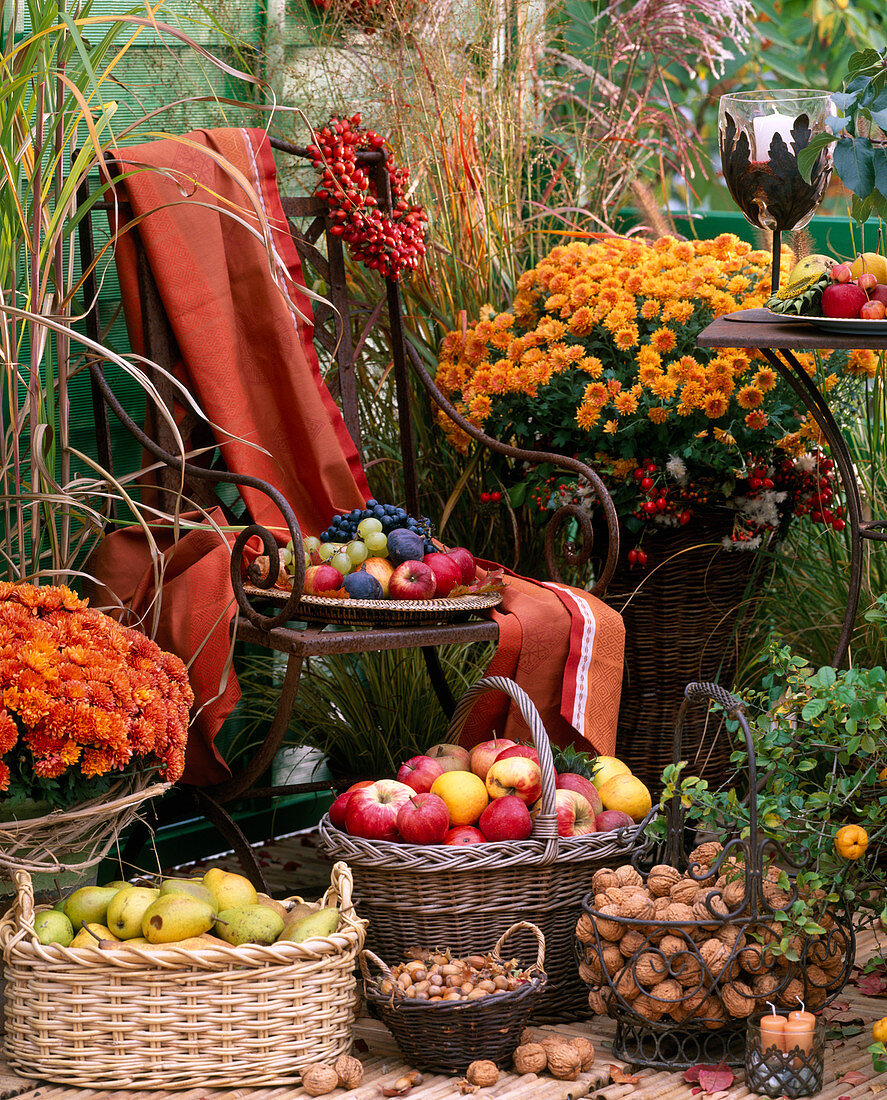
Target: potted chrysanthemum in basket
[[93, 719]]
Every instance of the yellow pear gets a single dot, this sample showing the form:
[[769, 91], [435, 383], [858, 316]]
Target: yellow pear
[[249, 924], [92, 934], [230, 889], [88, 905], [322, 923], [192, 886], [124, 916], [175, 917]]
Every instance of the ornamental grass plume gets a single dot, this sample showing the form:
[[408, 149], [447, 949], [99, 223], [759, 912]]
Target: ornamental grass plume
[[84, 701], [597, 357]]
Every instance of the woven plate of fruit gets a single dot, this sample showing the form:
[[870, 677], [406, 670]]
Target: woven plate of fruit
[[380, 565]]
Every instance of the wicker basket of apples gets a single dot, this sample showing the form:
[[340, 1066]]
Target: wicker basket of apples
[[461, 846]]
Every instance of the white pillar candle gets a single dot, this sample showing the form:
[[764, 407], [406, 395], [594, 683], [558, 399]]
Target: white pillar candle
[[766, 128]]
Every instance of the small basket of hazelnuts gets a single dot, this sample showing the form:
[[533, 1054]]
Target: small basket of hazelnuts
[[442, 1010]]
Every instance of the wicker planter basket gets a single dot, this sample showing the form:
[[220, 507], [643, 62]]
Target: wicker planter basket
[[172, 1018], [465, 897], [446, 1037]]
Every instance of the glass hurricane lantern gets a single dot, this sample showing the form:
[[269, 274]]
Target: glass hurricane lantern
[[760, 135]]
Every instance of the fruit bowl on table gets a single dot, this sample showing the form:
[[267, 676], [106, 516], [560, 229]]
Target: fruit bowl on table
[[349, 611]]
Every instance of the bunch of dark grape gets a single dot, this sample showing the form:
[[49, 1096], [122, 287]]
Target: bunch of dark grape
[[350, 525]]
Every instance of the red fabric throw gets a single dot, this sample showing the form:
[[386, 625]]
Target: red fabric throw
[[564, 647]]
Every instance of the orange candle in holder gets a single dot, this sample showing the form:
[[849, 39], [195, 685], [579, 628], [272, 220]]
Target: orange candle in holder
[[773, 1032], [799, 1029]]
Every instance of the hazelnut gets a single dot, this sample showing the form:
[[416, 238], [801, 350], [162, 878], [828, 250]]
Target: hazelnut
[[319, 1079], [629, 876], [349, 1071], [661, 879], [586, 1052], [482, 1073], [530, 1058], [738, 999]]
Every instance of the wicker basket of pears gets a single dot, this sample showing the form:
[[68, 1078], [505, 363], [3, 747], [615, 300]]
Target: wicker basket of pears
[[182, 983]]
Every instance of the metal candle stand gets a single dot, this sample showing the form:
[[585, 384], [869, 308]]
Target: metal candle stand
[[698, 1026], [773, 1072]]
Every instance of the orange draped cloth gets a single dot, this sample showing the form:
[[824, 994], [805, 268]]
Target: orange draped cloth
[[249, 359]]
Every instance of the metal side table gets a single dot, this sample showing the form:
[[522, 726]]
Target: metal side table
[[778, 341]]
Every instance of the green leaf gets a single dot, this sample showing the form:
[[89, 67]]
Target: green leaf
[[853, 161], [813, 709], [808, 155]]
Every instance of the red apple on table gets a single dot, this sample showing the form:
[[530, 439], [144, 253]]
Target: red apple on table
[[419, 772], [464, 834], [381, 569], [868, 280], [879, 294], [843, 300], [612, 819], [412, 580], [372, 811], [570, 781], [873, 310], [574, 816], [466, 562], [447, 572], [423, 819], [506, 819], [361, 783], [323, 580], [337, 810], [452, 758], [841, 273], [526, 751], [517, 775], [482, 755]]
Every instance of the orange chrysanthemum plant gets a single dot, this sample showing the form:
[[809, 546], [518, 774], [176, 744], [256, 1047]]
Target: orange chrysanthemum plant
[[84, 701], [597, 357]]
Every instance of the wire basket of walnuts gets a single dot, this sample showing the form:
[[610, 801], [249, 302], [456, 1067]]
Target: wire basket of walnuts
[[446, 1011], [682, 955]]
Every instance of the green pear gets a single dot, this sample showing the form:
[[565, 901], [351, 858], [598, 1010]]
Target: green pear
[[301, 909], [230, 889], [249, 924], [118, 884], [274, 905], [51, 926], [175, 917], [191, 886], [322, 923], [88, 905], [124, 916], [92, 934]]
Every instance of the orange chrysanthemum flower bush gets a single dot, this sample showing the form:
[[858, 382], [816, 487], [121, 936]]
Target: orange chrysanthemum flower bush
[[84, 701], [597, 357]]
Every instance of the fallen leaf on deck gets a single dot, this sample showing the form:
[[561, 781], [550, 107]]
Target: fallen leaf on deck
[[716, 1078], [853, 1077], [872, 985], [692, 1074], [839, 1006], [874, 1087], [620, 1077]]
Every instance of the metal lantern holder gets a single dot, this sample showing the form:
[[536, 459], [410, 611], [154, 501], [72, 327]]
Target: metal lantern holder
[[698, 1026]]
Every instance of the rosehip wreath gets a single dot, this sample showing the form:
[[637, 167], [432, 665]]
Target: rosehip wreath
[[386, 242]]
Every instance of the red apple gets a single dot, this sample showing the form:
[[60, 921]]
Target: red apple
[[465, 834], [466, 562], [419, 772], [841, 273], [843, 300], [447, 572], [381, 569], [873, 311], [574, 816], [868, 280], [482, 756], [412, 580], [323, 580], [506, 819], [526, 751], [879, 294], [337, 810], [612, 819], [372, 811], [570, 781], [517, 775], [452, 758], [361, 783], [424, 819]]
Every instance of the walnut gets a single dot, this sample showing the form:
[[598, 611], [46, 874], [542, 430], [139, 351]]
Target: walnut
[[731, 935], [612, 960], [609, 929], [591, 972], [629, 876], [684, 891], [679, 913], [828, 956], [530, 1058], [738, 999], [775, 897], [703, 914], [705, 855], [602, 878], [585, 929], [482, 1073], [671, 945], [661, 906], [597, 1002], [714, 955], [649, 969], [764, 987], [686, 968], [649, 1008], [661, 879], [564, 1060], [632, 942], [815, 995], [693, 1002], [756, 959], [637, 906], [734, 895], [712, 1013], [586, 1052], [319, 1079], [349, 1071], [625, 985], [613, 894], [796, 944], [668, 991], [601, 899], [791, 994]]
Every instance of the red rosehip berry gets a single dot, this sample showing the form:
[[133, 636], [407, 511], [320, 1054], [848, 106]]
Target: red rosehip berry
[[641, 557], [632, 557], [650, 507], [647, 484]]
